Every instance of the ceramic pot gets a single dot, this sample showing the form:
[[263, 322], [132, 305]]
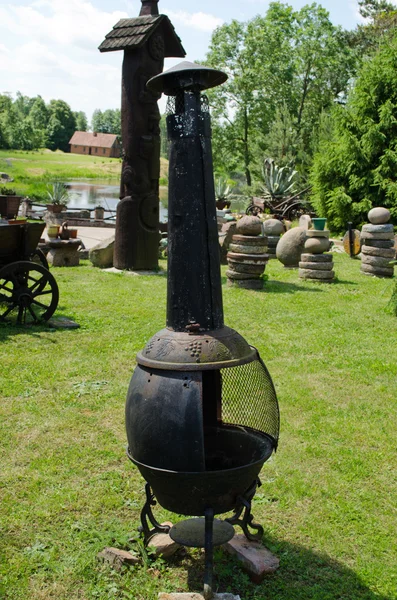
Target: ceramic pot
[[319, 223]]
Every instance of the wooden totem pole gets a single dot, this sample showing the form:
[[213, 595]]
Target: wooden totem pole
[[146, 41]]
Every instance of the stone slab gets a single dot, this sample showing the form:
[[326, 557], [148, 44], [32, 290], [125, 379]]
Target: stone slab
[[193, 596], [320, 275], [134, 273], [317, 266], [62, 323], [376, 261], [244, 249], [380, 243], [316, 233], [257, 560], [385, 228], [117, 558], [383, 252], [367, 235], [247, 284], [377, 271], [310, 258]]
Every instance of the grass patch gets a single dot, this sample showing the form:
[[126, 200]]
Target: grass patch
[[328, 500], [33, 171]]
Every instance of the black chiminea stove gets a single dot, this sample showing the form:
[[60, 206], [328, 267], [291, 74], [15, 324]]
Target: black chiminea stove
[[202, 414]]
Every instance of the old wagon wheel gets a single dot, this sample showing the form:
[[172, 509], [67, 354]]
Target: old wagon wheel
[[28, 293]]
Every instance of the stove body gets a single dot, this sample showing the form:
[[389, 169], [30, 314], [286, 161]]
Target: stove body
[[201, 414]]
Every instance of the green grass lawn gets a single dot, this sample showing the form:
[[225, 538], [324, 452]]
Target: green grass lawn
[[33, 171], [328, 500]]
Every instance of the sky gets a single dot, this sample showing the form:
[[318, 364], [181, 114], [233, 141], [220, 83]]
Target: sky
[[50, 47]]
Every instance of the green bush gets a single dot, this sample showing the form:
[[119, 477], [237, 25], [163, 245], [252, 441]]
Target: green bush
[[355, 169]]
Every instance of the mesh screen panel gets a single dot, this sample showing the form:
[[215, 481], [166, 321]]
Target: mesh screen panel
[[249, 398]]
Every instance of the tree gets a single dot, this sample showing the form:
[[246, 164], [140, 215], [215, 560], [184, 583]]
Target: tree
[[81, 121], [97, 121], [108, 121], [295, 62], [61, 125], [356, 169], [381, 21]]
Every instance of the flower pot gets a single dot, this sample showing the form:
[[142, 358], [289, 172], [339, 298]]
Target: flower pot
[[319, 223], [99, 214], [56, 208], [52, 231], [9, 206], [73, 234]]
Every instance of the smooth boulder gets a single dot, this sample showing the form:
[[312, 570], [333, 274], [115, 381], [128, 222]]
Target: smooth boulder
[[291, 246], [101, 255], [379, 215]]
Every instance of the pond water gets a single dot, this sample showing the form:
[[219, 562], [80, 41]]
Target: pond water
[[85, 194]]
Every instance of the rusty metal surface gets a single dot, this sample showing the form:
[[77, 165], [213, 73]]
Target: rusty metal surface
[[183, 351]]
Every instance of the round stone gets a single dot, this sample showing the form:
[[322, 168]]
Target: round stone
[[290, 247], [368, 235], [249, 225], [378, 271], [248, 284], [376, 261], [314, 274], [273, 227], [243, 249], [244, 268], [317, 245], [384, 252], [317, 258], [380, 243], [231, 274], [249, 240], [317, 234], [387, 228], [249, 259], [379, 215], [317, 266]]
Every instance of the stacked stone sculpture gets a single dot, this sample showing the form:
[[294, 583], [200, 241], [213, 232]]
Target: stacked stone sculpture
[[272, 228], [378, 244], [247, 255], [314, 263]]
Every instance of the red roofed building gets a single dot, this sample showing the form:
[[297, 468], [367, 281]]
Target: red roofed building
[[97, 144]]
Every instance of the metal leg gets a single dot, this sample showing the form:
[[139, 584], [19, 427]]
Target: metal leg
[[209, 553], [247, 521], [148, 517]]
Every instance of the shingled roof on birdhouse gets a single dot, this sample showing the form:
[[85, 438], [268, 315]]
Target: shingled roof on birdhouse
[[130, 34]]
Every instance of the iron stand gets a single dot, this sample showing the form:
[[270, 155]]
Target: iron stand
[[147, 517]]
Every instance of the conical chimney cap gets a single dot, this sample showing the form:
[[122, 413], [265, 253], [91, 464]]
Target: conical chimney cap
[[186, 76]]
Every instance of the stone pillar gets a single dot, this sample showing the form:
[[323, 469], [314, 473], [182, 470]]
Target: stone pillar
[[378, 244], [314, 264], [247, 255]]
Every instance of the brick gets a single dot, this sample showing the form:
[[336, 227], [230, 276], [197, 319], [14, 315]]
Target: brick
[[257, 560]]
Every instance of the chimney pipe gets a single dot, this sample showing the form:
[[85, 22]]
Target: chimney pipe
[[149, 8]]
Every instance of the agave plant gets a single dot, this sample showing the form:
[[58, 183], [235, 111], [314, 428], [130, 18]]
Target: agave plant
[[280, 182], [58, 194], [223, 191]]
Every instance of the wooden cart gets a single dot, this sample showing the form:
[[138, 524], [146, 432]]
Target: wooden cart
[[28, 291]]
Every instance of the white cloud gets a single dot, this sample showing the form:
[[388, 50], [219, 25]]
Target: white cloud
[[64, 23], [201, 21]]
